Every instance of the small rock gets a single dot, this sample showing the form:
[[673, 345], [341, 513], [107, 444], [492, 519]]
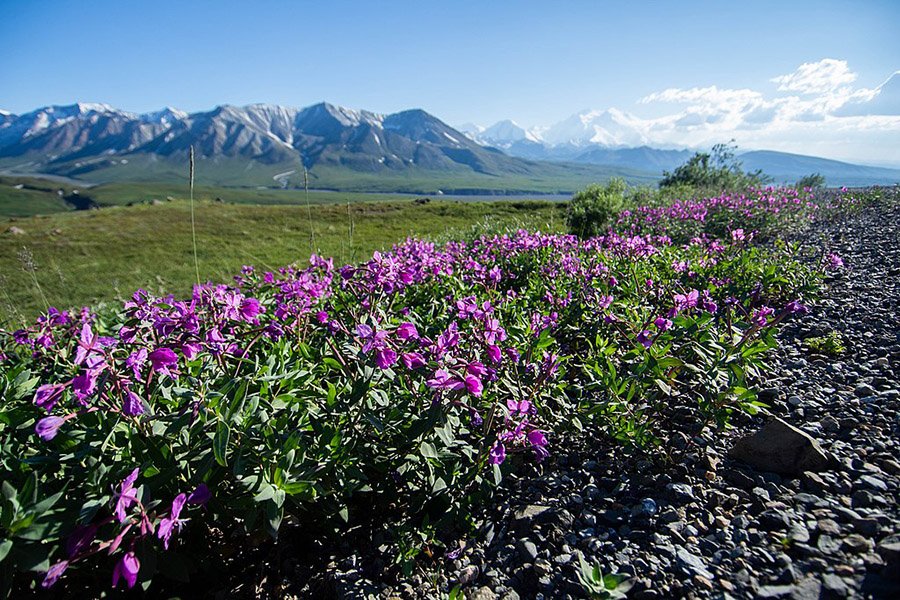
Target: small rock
[[889, 550], [681, 491], [834, 586], [15, 231], [468, 575], [530, 513], [693, 563], [782, 448], [873, 483], [857, 543], [774, 519], [483, 593], [829, 527], [891, 466], [528, 551]]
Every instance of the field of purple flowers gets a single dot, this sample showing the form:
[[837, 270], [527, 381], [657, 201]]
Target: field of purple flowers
[[406, 385]]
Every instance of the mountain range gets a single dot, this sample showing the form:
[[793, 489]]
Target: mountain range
[[341, 148], [613, 138]]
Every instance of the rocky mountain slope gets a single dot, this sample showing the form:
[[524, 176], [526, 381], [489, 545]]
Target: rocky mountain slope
[[99, 142]]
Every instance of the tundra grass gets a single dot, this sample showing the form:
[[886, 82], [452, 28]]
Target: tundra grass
[[86, 257]]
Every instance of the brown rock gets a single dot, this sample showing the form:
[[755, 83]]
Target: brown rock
[[779, 447]]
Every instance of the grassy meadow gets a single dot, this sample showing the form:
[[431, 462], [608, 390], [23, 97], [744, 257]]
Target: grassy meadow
[[79, 258]]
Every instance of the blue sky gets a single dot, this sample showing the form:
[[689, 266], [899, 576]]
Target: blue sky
[[535, 62]]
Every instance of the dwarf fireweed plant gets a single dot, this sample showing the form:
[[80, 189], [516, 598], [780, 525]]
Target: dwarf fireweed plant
[[405, 386]]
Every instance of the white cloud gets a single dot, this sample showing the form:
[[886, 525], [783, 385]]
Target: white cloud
[[712, 97], [817, 111], [821, 77], [883, 100]]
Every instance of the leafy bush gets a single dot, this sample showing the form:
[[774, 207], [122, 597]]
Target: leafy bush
[[404, 386], [714, 171], [830, 344], [815, 181], [594, 208]]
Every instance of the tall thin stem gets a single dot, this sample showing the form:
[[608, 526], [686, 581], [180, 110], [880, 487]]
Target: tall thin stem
[[193, 224], [312, 235]]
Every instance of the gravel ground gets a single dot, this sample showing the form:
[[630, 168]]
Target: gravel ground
[[711, 526]]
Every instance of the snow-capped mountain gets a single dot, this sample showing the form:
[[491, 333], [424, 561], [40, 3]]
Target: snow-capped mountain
[[503, 134], [610, 127], [83, 139]]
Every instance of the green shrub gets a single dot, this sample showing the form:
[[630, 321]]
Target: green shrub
[[593, 209], [830, 344], [714, 171], [815, 181]]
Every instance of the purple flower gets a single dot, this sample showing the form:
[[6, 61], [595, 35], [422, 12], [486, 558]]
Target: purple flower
[[200, 496], [444, 381], [385, 357], [413, 360], [518, 406], [476, 368], [161, 359], [48, 395], [136, 360], [127, 568], [538, 442], [364, 331], [189, 349], [473, 385], [54, 573], [87, 344], [127, 496], [494, 353], [132, 405], [48, 427], [407, 331], [497, 454], [794, 307], [250, 309], [833, 261], [663, 324], [167, 524], [84, 384], [644, 339], [760, 315]]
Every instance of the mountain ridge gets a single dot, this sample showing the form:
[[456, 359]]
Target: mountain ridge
[[343, 148]]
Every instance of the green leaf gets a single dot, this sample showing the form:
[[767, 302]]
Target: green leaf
[[428, 451], [5, 547], [220, 442]]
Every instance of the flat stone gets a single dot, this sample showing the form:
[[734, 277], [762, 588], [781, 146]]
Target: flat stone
[[781, 448], [856, 543], [873, 483], [889, 551], [530, 512], [468, 575], [835, 586], [483, 593], [829, 527], [808, 589], [528, 551], [692, 562], [774, 519], [775, 591]]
